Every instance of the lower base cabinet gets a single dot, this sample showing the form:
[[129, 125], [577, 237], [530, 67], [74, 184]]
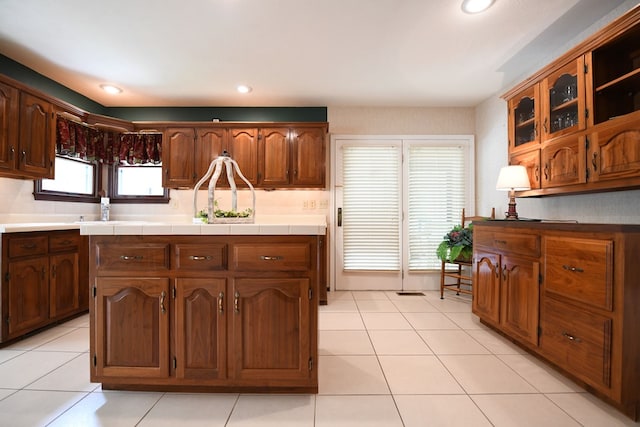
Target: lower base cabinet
[[215, 313], [568, 293]]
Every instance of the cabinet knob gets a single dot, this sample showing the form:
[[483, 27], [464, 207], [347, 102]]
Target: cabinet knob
[[163, 295], [574, 269], [236, 302], [221, 302], [200, 257], [570, 337]]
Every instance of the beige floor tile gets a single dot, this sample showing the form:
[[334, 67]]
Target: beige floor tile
[[376, 306], [266, 410], [452, 342], [435, 320], [485, 374], [339, 295], [590, 411], [339, 305], [78, 322], [30, 408], [30, 366], [344, 343], [387, 321], [440, 410], [395, 296], [350, 375], [339, 321], [450, 305], [39, 339], [72, 376], [6, 392], [76, 340], [398, 343], [522, 410], [414, 305], [543, 377], [9, 354], [113, 408], [496, 343], [466, 320], [418, 375], [370, 295], [186, 410], [354, 411]]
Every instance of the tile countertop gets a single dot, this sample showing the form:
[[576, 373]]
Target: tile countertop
[[265, 224]]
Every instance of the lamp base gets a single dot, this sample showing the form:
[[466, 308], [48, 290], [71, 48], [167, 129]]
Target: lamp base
[[511, 214]]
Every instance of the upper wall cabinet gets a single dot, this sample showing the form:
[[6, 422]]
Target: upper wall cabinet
[[9, 101], [575, 124]]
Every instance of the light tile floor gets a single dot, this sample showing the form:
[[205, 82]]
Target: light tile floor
[[385, 360]]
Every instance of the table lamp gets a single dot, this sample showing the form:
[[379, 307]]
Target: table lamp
[[512, 179]]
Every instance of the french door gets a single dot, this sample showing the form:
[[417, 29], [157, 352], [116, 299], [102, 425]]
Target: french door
[[395, 198]]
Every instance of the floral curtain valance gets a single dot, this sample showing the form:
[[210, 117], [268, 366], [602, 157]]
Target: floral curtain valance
[[80, 141]]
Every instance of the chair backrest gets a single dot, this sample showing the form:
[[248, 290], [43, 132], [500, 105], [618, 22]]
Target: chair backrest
[[468, 219]]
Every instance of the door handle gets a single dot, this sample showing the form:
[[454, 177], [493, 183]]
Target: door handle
[[339, 217]]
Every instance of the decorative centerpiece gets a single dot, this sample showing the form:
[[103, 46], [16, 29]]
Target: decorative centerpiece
[[214, 214], [457, 244]]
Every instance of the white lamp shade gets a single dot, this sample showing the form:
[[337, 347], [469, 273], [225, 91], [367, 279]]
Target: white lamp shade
[[513, 178]]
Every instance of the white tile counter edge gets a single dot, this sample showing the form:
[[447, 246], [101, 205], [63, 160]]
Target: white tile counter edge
[[264, 225]]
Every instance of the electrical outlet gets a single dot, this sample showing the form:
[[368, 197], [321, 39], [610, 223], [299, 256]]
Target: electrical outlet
[[305, 204], [324, 204], [312, 204]]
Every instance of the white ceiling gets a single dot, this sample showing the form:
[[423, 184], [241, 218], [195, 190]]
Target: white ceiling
[[292, 52]]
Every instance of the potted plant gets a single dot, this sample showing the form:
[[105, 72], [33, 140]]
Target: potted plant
[[457, 244]]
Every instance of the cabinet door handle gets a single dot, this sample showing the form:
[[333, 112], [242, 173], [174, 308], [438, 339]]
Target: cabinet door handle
[[12, 151], [200, 257], [546, 171], [574, 269], [131, 257], [163, 295], [236, 302], [24, 156], [44, 273], [271, 258], [53, 270], [570, 337], [594, 161], [536, 173], [544, 125], [221, 302], [504, 273]]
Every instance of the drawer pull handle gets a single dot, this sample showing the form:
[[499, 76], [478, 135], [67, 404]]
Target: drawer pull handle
[[131, 257], [163, 295], [200, 257], [570, 337], [271, 258], [574, 269], [236, 302], [500, 242], [221, 302], [29, 246], [66, 242]]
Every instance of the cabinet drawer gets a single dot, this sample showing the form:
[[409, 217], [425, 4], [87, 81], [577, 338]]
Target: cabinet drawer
[[64, 242], [272, 257], [578, 341], [143, 256], [580, 269], [520, 244], [201, 257], [27, 246]]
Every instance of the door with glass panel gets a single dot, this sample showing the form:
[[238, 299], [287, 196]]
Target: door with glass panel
[[395, 199]]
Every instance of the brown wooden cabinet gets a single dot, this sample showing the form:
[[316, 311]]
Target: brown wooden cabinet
[[506, 278], [178, 157], [36, 137], [580, 281], [590, 110], [9, 102], [45, 279], [222, 312]]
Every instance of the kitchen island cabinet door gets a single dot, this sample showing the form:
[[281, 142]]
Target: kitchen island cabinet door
[[520, 297], [132, 328], [200, 329], [64, 284], [486, 286], [28, 302], [271, 330]]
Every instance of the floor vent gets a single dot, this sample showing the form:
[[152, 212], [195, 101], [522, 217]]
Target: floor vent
[[408, 293]]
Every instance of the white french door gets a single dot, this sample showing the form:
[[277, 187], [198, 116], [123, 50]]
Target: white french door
[[395, 198]]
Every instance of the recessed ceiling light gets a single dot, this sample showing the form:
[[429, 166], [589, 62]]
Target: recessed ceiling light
[[111, 89], [243, 88], [476, 6]]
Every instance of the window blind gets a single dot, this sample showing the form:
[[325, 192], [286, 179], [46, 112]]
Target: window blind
[[436, 195], [371, 208]]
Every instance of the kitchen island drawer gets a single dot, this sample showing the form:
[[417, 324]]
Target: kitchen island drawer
[[132, 256], [578, 340], [580, 269], [27, 246], [67, 241], [512, 242], [200, 257], [294, 256]]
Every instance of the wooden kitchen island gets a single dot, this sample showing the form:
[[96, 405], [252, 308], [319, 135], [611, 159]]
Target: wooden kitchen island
[[212, 308]]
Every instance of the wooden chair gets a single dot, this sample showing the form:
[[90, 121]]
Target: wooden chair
[[461, 273]]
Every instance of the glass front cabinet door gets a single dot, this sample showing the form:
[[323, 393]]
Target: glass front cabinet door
[[524, 115], [563, 99]]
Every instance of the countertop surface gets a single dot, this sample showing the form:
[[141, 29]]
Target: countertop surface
[[266, 225]]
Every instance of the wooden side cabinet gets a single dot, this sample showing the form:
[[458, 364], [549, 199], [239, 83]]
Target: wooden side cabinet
[[45, 279], [569, 294]]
